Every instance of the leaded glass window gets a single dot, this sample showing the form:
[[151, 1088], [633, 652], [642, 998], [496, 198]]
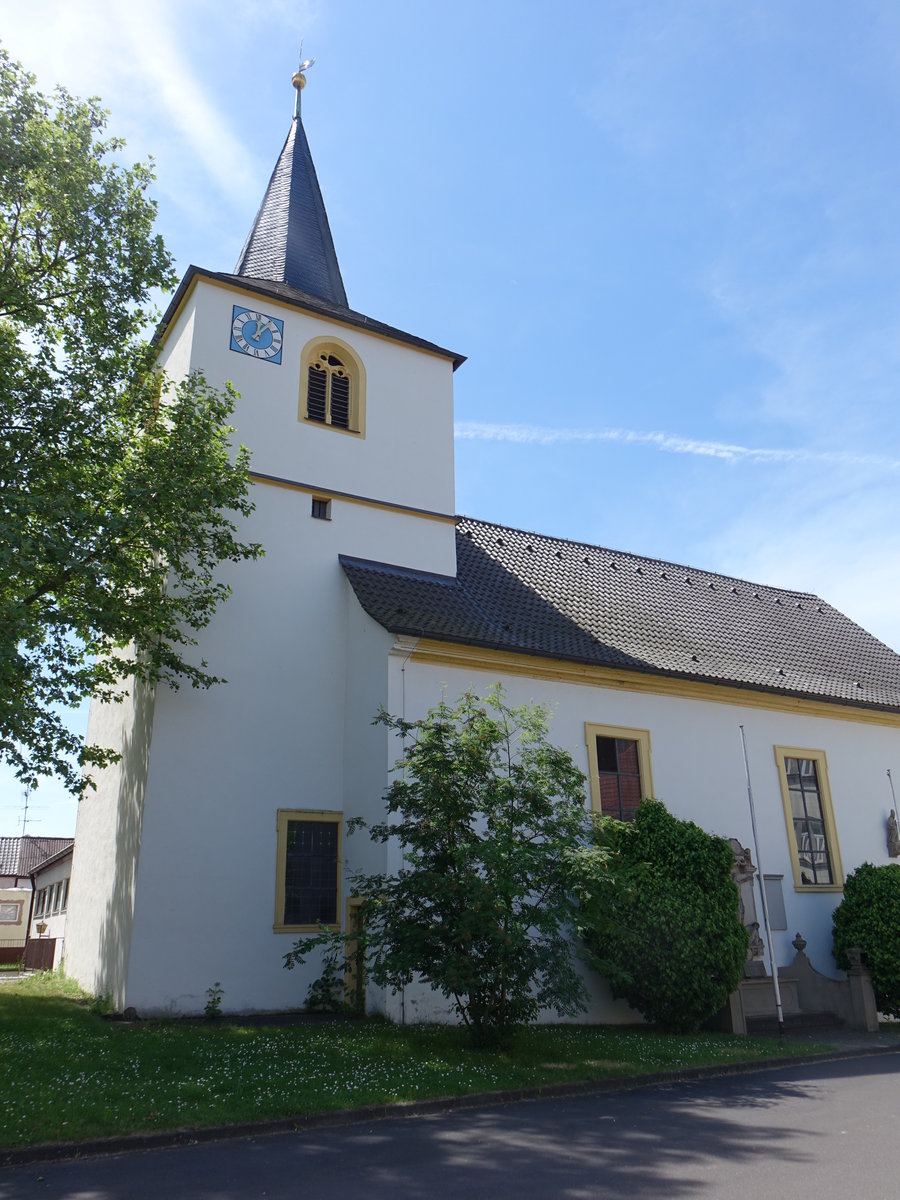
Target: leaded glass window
[[311, 873], [809, 821]]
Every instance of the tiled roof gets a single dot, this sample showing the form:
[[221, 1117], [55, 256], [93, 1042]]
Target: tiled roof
[[21, 855], [290, 241], [522, 592]]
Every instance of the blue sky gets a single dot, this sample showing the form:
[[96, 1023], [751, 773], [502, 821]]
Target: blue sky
[[666, 234]]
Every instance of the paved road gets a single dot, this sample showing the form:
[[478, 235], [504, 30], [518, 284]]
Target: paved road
[[827, 1131]]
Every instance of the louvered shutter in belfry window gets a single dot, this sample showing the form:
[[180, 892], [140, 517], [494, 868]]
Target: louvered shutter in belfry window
[[340, 401], [316, 391]]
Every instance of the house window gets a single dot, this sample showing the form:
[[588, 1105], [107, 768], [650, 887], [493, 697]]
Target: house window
[[619, 765], [64, 902], [321, 509], [333, 385], [10, 912], [809, 817], [308, 869]]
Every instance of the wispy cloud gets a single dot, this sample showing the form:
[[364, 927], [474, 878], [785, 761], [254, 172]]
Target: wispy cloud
[[150, 34], [132, 55], [669, 443]]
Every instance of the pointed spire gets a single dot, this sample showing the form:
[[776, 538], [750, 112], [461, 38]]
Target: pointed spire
[[290, 241]]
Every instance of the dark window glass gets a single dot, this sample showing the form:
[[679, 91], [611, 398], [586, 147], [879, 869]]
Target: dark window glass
[[809, 826], [619, 771], [311, 873], [321, 509], [606, 755]]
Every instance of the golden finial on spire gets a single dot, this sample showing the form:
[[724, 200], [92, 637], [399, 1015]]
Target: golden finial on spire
[[299, 78]]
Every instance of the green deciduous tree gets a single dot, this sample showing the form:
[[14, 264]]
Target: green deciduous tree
[[869, 917], [666, 932], [491, 821], [116, 492]]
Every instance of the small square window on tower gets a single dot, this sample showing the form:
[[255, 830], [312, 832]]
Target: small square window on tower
[[321, 509]]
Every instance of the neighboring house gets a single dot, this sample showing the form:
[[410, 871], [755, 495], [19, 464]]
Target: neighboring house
[[47, 936], [221, 834], [20, 859]]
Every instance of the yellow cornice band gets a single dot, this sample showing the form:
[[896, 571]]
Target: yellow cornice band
[[499, 662], [310, 489]]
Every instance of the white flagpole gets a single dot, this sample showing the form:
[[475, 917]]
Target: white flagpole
[[762, 891]]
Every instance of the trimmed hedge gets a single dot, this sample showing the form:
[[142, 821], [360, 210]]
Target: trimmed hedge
[[666, 933], [869, 917]]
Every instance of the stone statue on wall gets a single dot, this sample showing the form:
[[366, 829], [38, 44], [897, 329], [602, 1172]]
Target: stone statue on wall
[[743, 872], [893, 836]]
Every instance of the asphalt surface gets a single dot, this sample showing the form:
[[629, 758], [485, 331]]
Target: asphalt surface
[[818, 1130]]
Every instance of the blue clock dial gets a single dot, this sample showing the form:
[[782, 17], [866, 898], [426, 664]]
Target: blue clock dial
[[256, 334]]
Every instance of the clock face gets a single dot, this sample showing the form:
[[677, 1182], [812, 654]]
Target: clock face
[[256, 334]]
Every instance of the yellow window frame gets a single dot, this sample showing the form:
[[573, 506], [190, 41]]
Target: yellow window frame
[[782, 753], [283, 818], [353, 364], [641, 736]]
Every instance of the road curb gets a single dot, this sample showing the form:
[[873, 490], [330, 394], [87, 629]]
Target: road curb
[[132, 1142]]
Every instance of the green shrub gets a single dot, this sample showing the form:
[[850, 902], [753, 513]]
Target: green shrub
[[869, 917], [662, 925], [214, 996], [327, 993]]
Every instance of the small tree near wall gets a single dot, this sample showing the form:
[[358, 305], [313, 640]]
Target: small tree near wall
[[491, 821]]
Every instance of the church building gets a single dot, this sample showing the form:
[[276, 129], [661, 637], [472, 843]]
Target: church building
[[221, 834]]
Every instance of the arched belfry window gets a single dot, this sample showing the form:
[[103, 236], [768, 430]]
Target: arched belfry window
[[332, 390]]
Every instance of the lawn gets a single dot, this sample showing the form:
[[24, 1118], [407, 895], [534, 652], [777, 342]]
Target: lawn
[[66, 1073]]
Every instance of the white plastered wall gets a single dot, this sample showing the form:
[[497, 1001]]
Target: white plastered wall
[[110, 814], [406, 456], [107, 848], [290, 729], [698, 771], [292, 726]]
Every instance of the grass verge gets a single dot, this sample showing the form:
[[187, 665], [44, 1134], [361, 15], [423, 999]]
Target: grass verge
[[67, 1074]]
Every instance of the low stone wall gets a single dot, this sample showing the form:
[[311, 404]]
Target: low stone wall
[[805, 994]]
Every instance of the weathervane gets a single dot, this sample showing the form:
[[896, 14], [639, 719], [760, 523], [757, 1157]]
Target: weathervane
[[299, 78]]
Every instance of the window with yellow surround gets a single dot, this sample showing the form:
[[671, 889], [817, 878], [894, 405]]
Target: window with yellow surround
[[619, 765], [809, 817], [308, 869], [332, 386]]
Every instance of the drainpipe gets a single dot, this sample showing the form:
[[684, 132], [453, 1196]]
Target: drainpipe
[[28, 925], [403, 717]]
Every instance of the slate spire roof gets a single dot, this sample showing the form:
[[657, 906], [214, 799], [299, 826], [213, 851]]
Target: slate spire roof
[[530, 594], [290, 241]]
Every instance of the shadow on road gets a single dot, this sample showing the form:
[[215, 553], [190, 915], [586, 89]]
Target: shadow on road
[[676, 1139]]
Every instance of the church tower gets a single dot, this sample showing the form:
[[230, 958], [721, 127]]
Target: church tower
[[188, 851]]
